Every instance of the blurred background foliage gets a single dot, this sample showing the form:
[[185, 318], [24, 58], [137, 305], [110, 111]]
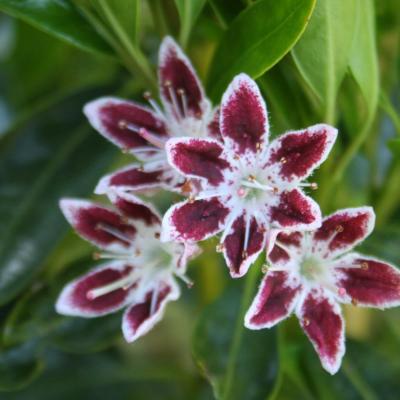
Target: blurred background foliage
[[334, 61]]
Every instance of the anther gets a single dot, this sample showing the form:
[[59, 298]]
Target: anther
[[283, 160], [258, 146], [96, 256], [314, 185], [341, 291], [168, 83], [339, 229], [364, 265], [236, 157], [275, 190], [187, 280], [264, 268], [244, 254], [354, 302], [122, 124], [241, 192], [251, 178], [137, 253], [191, 199], [306, 322], [157, 235], [147, 95], [125, 151]]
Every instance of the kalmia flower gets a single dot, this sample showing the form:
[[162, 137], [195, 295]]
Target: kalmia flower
[[141, 273], [310, 273], [143, 131], [250, 189]]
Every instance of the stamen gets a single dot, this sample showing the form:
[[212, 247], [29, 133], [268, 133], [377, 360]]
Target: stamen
[[148, 96], [219, 248], [354, 302], [364, 265], [246, 235], [154, 300], [283, 160], [114, 232], [228, 226], [256, 185], [285, 248], [277, 269], [187, 280], [123, 283], [172, 95], [265, 268], [306, 321], [157, 235], [311, 185], [110, 256], [183, 97], [146, 134]]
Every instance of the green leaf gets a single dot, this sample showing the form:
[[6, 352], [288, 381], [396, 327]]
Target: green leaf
[[59, 18], [394, 146], [188, 13], [238, 362], [257, 39], [322, 53], [363, 61], [19, 366], [227, 11], [54, 155]]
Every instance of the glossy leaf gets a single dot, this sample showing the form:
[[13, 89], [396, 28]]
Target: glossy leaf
[[238, 362], [49, 157], [363, 61], [59, 18], [262, 34], [188, 13], [322, 53]]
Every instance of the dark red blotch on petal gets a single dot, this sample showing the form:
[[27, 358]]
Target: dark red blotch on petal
[[274, 299], [234, 243], [299, 153], [214, 130], [109, 301], [294, 208], [135, 177], [111, 114], [201, 158], [244, 118], [92, 223], [194, 221], [346, 228], [140, 312], [371, 282], [136, 211], [323, 326], [176, 76]]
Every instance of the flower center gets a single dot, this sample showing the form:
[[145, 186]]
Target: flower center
[[311, 269], [251, 188]]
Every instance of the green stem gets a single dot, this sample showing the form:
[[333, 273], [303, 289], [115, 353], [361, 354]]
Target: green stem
[[248, 292]]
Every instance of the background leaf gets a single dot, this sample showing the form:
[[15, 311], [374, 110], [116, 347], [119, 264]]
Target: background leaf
[[263, 33], [59, 18]]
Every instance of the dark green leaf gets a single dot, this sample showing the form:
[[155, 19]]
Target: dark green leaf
[[394, 145], [19, 366], [238, 362], [188, 13], [322, 53], [257, 39], [227, 11], [48, 158], [59, 18]]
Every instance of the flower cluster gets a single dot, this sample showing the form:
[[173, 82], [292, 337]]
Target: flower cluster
[[237, 184]]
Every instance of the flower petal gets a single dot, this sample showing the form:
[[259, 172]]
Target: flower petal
[[143, 315], [136, 209], [243, 121], [294, 155], [292, 241], [180, 88], [132, 177], [239, 259], [275, 301], [100, 225], [110, 116], [194, 221], [190, 251], [344, 229], [321, 319], [75, 298], [199, 158], [213, 127], [368, 281], [295, 211]]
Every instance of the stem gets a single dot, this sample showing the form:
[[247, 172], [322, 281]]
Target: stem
[[248, 292]]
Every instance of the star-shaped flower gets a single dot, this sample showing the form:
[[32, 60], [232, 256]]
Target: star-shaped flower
[[312, 272], [143, 131], [250, 189], [141, 272]]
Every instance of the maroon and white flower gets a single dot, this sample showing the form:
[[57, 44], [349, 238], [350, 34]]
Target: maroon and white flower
[[141, 271], [143, 131], [310, 273], [250, 189]]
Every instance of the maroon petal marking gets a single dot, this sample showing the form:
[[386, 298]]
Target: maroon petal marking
[[321, 320], [275, 301], [132, 178], [75, 299], [278, 254], [178, 78], [243, 120], [140, 317], [96, 223], [213, 127], [344, 229], [194, 221], [136, 209], [294, 155], [296, 211], [109, 116], [368, 281], [198, 158], [237, 258]]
